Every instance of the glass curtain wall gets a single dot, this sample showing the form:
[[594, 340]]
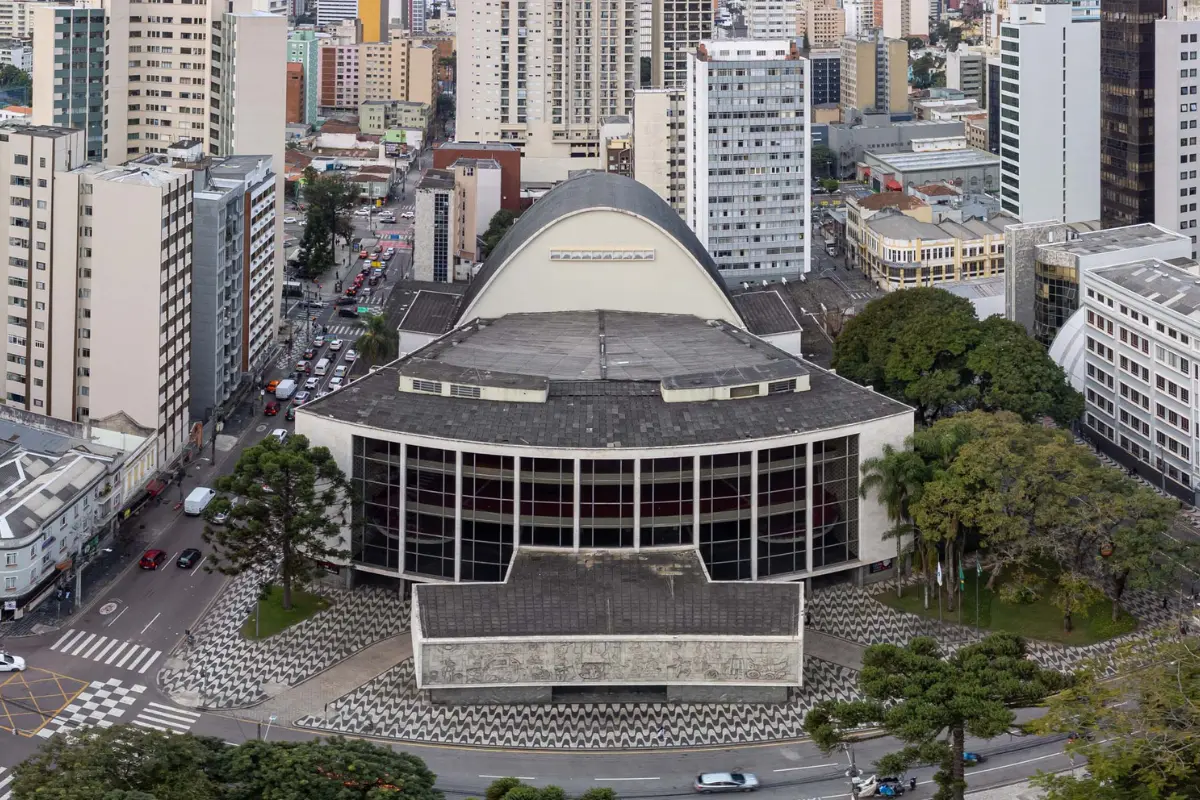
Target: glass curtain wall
[[667, 501], [548, 502], [606, 503], [725, 515], [782, 510], [487, 516], [429, 512], [835, 501], [375, 478]]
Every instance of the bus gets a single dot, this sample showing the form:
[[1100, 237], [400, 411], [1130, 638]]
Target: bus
[[292, 289]]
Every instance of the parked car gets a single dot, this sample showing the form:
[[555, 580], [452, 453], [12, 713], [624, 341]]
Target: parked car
[[350, 357], [301, 398], [711, 782], [335, 382], [340, 371], [271, 408], [408, 215], [362, 212], [289, 220], [11, 663], [188, 558], [335, 345], [222, 516], [151, 559]]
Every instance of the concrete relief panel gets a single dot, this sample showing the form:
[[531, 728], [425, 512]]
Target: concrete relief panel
[[613, 661]]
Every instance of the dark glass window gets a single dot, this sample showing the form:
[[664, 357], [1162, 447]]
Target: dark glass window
[[548, 502], [606, 503], [667, 490], [375, 480], [782, 503], [835, 501], [429, 512], [487, 516], [725, 515]]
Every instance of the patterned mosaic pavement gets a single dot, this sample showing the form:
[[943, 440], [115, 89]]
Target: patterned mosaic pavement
[[224, 670], [390, 707]]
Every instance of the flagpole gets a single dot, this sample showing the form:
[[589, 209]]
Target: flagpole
[[939, 583], [978, 575]]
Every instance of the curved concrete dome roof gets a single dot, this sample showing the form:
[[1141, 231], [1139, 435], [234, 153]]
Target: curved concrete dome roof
[[600, 195]]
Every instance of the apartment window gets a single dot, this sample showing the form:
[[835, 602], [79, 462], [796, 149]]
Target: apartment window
[[21, 158]]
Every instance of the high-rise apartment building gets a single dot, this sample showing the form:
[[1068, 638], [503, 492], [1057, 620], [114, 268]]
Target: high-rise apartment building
[[404, 68], [874, 74], [543, 74], [1176, 123], [69, 45], [860, 17], [341, 86], [905, 18], [302, 48], [748, 173], [770, 19], [88, 243], [331, 12], [374, 16], [966, 70], [825, 75], [1049, 114], [433, 245], [16, 17], [412, 15], [1127, 87], [821, 23], [677, 27], [659, 144]]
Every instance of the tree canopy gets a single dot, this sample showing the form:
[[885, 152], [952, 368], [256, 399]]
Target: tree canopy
[[513, 789], [329, 199], [1139, 737], [379, 341], [133, 763], [925, 347], [293, 496], [930, 701], [501, 221]]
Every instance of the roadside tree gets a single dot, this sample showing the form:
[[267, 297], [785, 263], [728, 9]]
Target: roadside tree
[[379, 342], [931, 702], [293, 498], [896, 477]]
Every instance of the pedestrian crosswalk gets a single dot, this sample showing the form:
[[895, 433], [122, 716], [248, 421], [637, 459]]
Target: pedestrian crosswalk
[[348, 331], [167, 719], [107, 650], [6, 778]]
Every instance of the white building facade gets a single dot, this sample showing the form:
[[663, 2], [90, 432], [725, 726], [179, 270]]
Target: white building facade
[[1176, 120], [747, 157], [1050, 114], [770, 19]]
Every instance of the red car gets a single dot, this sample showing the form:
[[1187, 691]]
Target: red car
[[152, 559], [271, 409]]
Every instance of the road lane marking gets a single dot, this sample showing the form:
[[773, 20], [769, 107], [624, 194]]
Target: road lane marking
[[133, 664], [116, 652], [151, 660], [107, 647], [1015, 764], [71, 643], [151, 622], [95, 647], [626, 779], [85, 643], [814, 766], [500, 777], [166, 718], [65, 636], [117, 617], [171, 560], [197, 569], [132, 649]]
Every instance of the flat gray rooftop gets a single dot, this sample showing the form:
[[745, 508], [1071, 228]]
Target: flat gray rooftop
[[936, 159], [608, 592], [604, 373], [1158, 282], [431, 312], [1106, 241], [765, 312]]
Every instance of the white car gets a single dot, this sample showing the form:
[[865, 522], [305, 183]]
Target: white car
[[312, 383], [335, 345], [11, 663], [281, 434], [408, 215], [300, 399], [335, 383], [362, 212], [340, 371], [289, 220], [350, 356]]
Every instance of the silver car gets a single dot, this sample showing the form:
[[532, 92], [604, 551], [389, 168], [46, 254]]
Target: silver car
[[711, 782]]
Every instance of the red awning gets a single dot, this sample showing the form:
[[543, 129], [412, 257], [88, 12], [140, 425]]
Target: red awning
[[866, 172], [154, 487], [893, 185]]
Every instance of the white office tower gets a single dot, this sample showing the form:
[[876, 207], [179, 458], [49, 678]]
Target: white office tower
[[1177, 126], [678, 26], [770, 19], [331, 12], [1049, 114], [543, 74], [860, 17], [747, 156]]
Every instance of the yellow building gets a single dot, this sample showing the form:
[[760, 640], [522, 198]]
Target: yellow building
[[874, 73], [373, 14], [404, 68]]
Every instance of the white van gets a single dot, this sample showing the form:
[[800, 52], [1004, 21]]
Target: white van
[[198, 500], [322, 367]]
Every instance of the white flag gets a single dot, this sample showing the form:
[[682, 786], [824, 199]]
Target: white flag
[[939, 574]]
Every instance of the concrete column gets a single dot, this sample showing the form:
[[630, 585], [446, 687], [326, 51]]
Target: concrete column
[[458, 466], [516, 533], [403, 504], [575, 502], [808, 504], [753, 515], [637, 504], [696, 500]]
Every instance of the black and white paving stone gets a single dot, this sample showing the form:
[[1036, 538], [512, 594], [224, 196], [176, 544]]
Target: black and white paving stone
[[102, 704], [390, 707], [222, 669]]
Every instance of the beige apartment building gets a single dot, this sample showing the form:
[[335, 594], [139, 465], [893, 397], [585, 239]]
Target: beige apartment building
[[874, 74], [400, 69], [477, 197], [660, 144], [86, 245], [542, 75], [16, 17], [676, 28], [822, 23]]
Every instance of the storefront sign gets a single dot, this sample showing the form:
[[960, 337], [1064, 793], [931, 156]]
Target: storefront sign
[[880, 566]]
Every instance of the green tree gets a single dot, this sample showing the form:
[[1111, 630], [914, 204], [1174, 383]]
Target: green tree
[[499, 788], [293, 499], [333, 769], [1141, 734], [329, 199], [1074, 595], [1015, 373], [896, 478], [124, 762], [830, 184], [931, 702], [14, 76], [821, 158], [501, 221], [513, 789], [379, 342]]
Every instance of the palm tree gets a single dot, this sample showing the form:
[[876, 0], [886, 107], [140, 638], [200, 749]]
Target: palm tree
[[896, 477], [378, 343]]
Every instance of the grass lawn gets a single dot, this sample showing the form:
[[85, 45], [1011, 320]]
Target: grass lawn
[[272, 618], [1036, 620]]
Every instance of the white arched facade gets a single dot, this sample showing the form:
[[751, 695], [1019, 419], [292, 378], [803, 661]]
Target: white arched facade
[[572, 264]]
